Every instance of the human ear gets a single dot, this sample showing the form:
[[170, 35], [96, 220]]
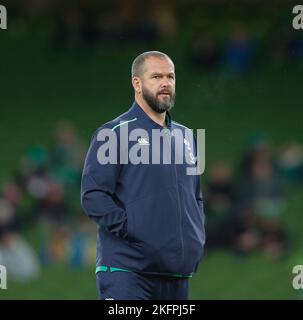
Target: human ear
[[136, 82]]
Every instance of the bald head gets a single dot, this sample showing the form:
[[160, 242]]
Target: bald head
[[139, 62]]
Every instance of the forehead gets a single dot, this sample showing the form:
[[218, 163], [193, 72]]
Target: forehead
[[158, 65]]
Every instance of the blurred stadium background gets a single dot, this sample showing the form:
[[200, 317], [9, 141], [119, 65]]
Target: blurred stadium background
[[65, 70]]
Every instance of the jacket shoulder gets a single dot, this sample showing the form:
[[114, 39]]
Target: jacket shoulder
[[116, 122], [179, 125]]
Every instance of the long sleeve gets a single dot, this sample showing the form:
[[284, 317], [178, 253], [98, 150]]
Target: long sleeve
[[199, 199], [97, 191], [199, 196]]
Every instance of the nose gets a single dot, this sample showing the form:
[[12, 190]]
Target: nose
[[165, 84]]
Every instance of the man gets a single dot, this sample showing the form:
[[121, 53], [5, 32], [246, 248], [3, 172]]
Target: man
[[149, 214]]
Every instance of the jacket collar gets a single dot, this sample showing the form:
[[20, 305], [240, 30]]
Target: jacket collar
[[140, 114]]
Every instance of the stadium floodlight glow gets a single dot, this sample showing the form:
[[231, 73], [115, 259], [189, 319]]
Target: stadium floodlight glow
[[3, 17]]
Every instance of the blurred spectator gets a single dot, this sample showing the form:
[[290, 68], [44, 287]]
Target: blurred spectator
[[240, 49], [285, 44], [12, 193], [144, 29], [67, 157], [290, 162], [75, 28], [165, 19], [220, 197], [257, 148], [18, 256], [67, 149], [72, 243], [58, 242], [15, 253], [53, 205], [260, 206], [82, 244], [36, 158], [205, 52], [110, 30], [139, 22], [8, 219]]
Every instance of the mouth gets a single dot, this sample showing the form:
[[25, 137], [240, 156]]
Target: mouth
[[165, 94]]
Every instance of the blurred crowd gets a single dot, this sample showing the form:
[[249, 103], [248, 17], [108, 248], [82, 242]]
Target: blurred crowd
[[40, 202], [41, 221], [245, 208], [86, 24], [105, 25], [240, 51]]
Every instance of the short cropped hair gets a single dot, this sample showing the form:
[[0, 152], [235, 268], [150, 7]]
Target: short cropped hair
[[137, 65]]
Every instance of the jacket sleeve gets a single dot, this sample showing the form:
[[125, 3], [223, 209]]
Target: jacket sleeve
[[199, 198], [98, 185]]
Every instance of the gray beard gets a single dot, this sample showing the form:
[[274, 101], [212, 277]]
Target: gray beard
[[155, 104]]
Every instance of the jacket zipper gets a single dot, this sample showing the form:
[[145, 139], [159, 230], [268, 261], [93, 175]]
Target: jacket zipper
[[180, 217], [179, 205]]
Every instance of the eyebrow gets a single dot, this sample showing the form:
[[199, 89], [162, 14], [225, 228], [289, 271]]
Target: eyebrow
[[159, 73]]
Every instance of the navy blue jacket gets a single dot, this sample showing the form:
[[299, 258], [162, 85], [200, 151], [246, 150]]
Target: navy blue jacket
[[150, 216]]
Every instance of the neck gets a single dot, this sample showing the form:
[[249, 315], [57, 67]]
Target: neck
[[155, 116]]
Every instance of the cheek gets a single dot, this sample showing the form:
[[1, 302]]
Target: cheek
[[154, 89]]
